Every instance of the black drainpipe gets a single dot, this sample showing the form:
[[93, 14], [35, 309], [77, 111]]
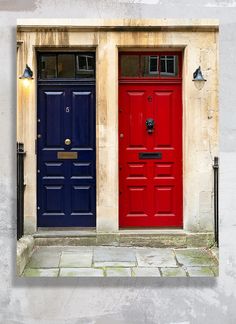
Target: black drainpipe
[[216, 199], [20, 190]]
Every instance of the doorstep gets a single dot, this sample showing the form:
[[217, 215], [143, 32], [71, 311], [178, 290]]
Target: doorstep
[[176, 238]]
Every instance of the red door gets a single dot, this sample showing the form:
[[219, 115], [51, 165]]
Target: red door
[[150, 156]]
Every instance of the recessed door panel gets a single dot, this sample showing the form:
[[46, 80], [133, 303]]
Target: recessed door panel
[[163, 114], [164, 198], [150, 154], [53, 118], [66, 158], [136, 200], [82, 119], [81, 199], [135, 102], [53, 200]]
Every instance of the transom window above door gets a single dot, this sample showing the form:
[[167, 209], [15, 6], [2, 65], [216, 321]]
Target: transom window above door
[[144, 65], [66, 65]]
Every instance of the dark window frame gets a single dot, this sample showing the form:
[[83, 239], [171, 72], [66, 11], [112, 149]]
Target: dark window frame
[[154, 77], [76, 77]]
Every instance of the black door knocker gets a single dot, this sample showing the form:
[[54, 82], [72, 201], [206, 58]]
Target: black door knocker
[[150, 125]]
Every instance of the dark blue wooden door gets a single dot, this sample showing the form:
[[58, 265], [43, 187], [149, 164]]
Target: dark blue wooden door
[[66, 155]]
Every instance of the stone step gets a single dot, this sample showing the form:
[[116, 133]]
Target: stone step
[[168, 238]]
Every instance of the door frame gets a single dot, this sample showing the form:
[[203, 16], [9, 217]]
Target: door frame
[[160, 81]]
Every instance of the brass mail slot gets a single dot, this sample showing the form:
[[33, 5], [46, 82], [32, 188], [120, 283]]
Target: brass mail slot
[[67, 155]]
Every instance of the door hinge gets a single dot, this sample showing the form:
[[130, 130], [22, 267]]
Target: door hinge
[[35, 146]]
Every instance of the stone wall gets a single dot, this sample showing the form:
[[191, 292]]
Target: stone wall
[[197, 39]]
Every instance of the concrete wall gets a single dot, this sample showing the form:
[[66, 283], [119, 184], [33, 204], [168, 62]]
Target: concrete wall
[[198, 39], [119, 301]]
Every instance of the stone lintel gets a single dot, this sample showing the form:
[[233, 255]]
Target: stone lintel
[[117, 25]]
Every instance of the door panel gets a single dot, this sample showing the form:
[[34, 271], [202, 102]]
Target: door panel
[[53, 118], [150, 164], [66, 187], [82, 119], [162, 113]]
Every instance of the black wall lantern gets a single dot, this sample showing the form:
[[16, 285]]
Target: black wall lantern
[[197, 75], [28, 73]]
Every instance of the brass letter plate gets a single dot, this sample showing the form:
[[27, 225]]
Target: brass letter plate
[[67, 155]]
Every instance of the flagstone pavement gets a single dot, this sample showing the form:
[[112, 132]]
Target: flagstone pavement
[[104, 261]]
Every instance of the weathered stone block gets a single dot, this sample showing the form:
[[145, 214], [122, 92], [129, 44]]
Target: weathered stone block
[[173, 272], [24, 250], [78, 259], [146, 272], [195, 257], [29, 272], [200, 239], [155, 258], [80, 272], [118, 272], [200, 272]]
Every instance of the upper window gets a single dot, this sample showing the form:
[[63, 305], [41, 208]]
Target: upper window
[[133, 65], [66, 65]]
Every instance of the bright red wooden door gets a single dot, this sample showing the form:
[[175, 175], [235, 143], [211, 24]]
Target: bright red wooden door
[[150, 187]]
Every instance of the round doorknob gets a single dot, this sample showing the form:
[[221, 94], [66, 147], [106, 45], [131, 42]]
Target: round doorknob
[[67, 141]]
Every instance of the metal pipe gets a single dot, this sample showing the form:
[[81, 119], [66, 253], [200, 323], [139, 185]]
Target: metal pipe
[[20, 190], [216, 199]]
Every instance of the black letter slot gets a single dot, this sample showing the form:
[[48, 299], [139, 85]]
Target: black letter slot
[[150, 155]]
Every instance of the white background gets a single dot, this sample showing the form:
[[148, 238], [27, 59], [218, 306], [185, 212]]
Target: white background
[[109, 300]]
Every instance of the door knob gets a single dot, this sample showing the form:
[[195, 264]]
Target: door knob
[[67, 141]]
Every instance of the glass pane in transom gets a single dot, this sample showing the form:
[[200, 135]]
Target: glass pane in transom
[[130, 65], [85, 66], [169, 65], [149, 65], [48, 67], [66, 66]]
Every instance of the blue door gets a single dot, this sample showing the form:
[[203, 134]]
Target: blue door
[[66, 154]]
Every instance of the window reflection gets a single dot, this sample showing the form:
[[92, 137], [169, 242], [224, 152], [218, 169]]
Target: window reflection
[[66, 65], [48, 67], [85, 65], [134, 65], [149, 65], [169, 65], [130, 65]]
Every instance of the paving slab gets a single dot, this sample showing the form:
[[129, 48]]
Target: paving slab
[[29, 272], [173, 272], [155, 257], [44, 259], [61, 248], [114, 256], [195, 257], [118, 272], [200, 272], [80, 272], [146, 272], [78, 259], [58, 249]]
